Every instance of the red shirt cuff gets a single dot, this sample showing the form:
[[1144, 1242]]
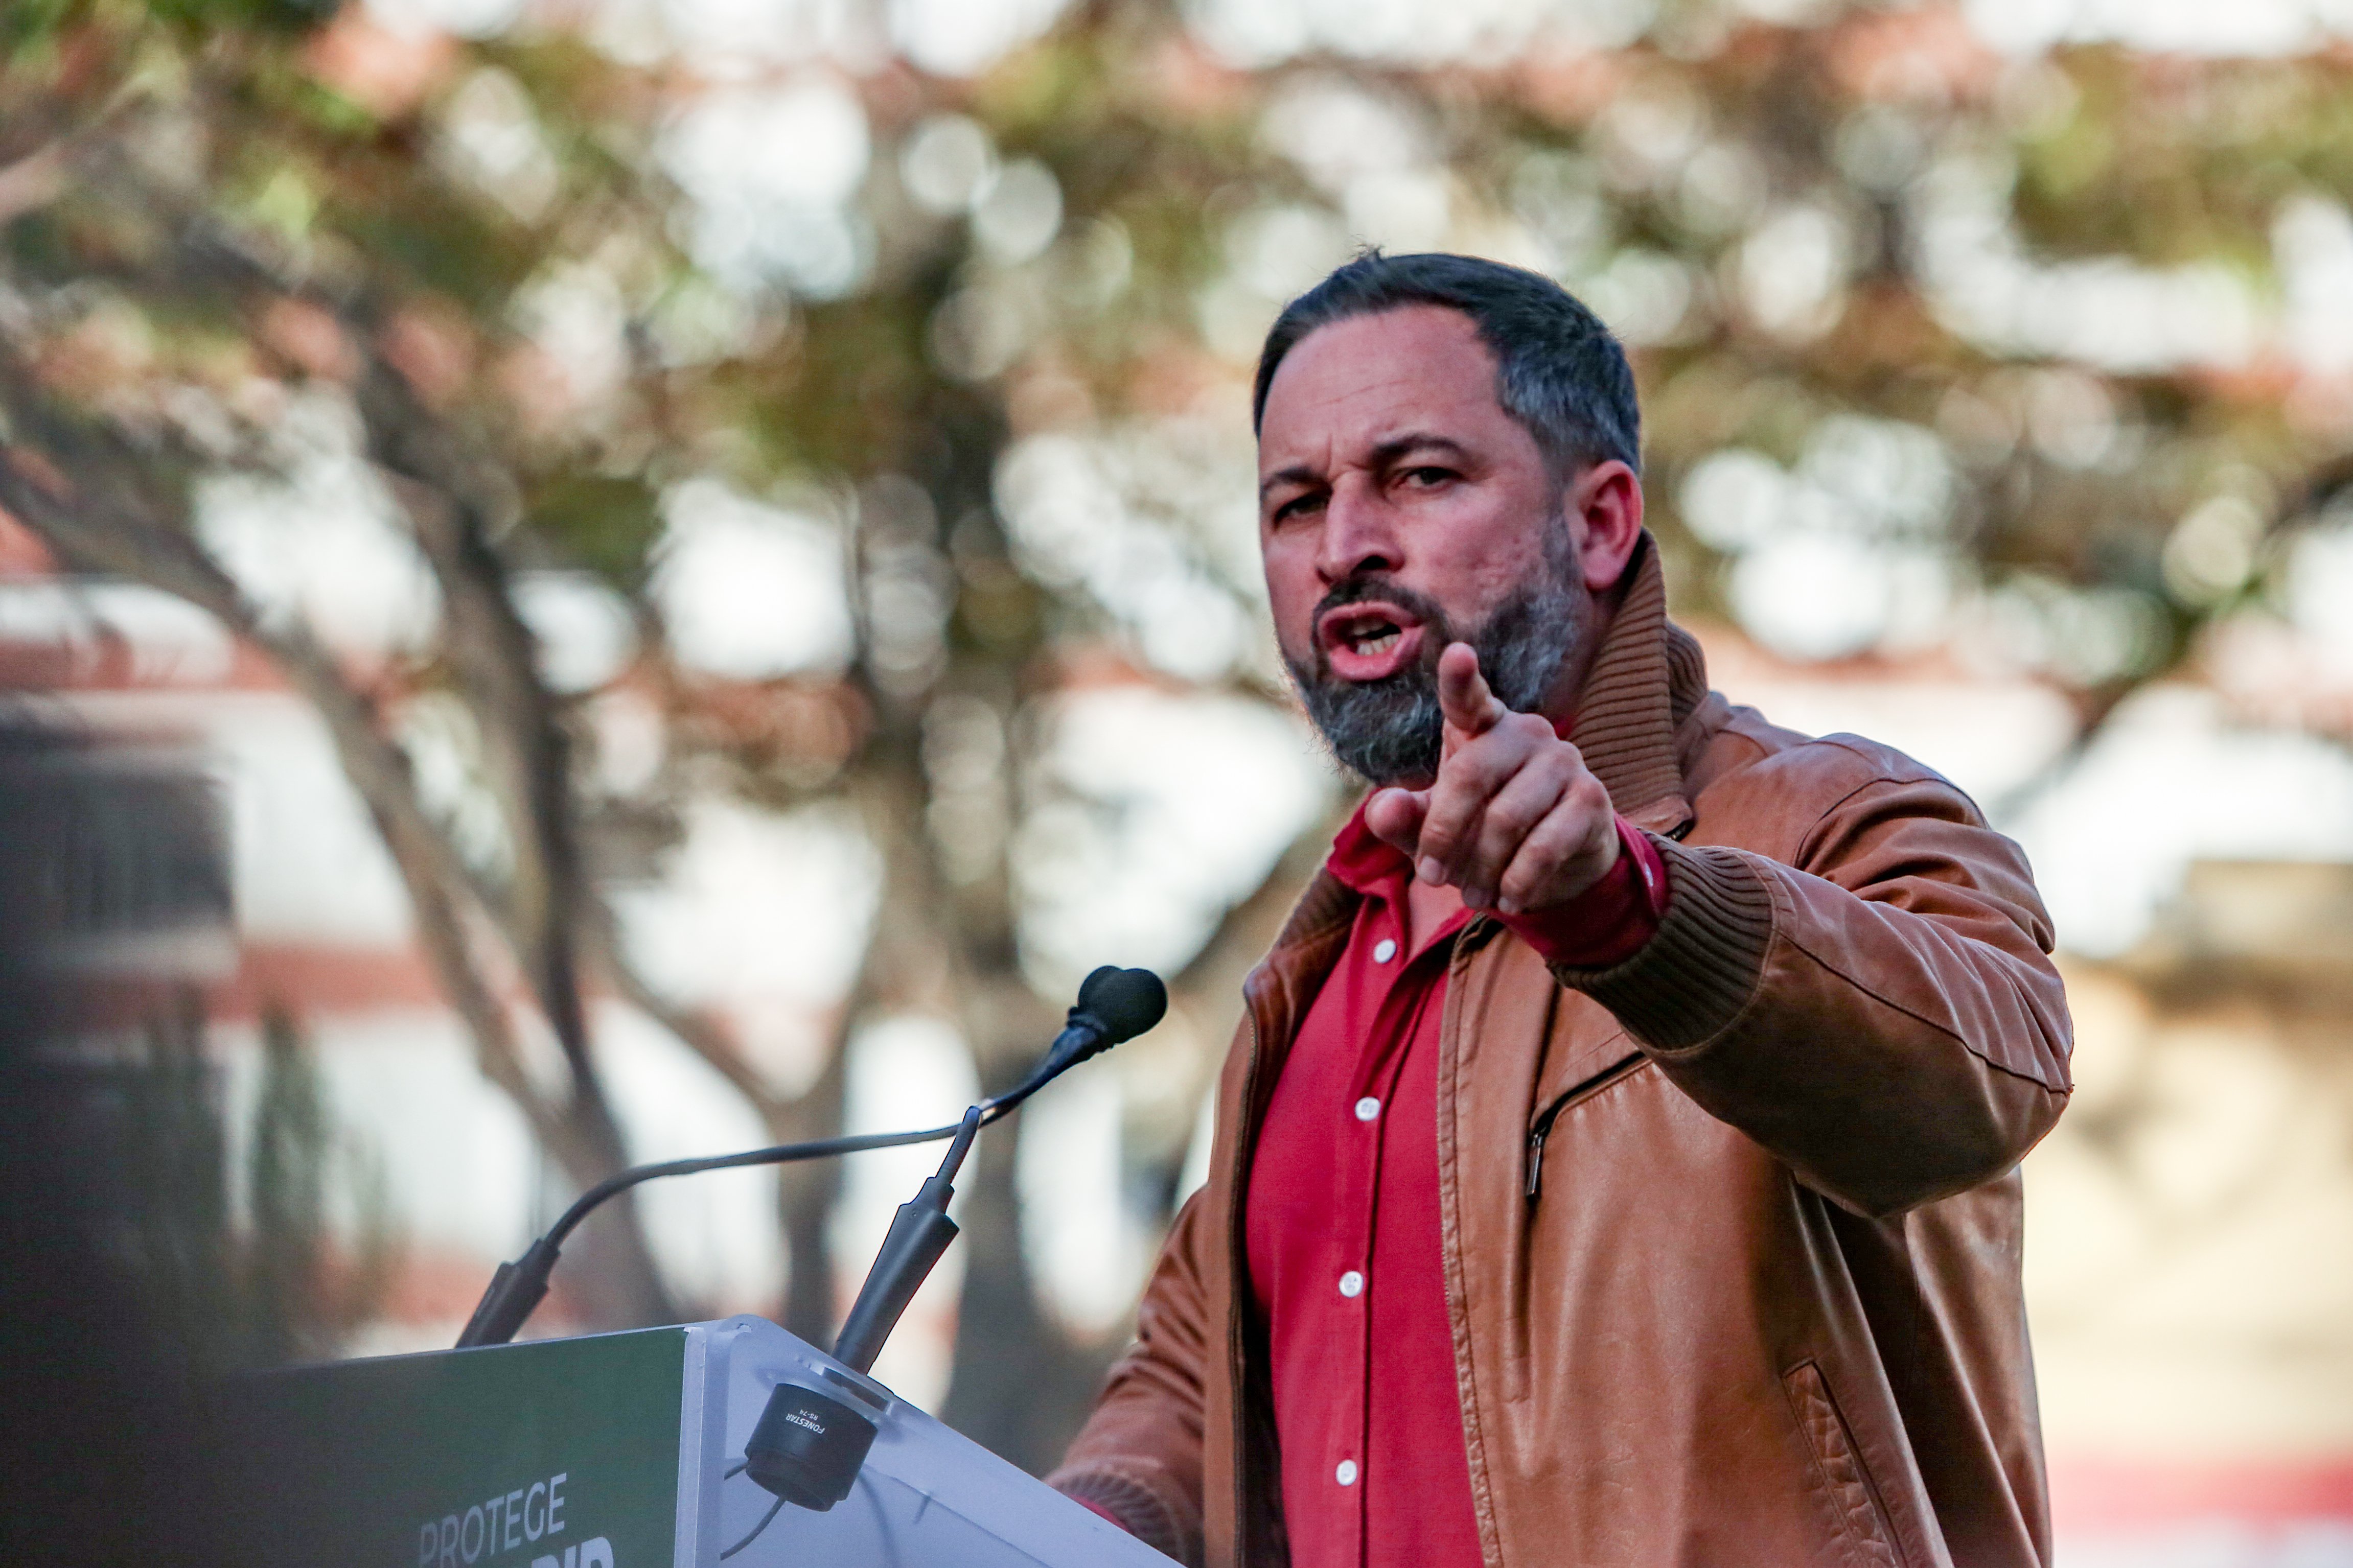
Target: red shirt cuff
[[1610, 921], [1102, 1512]]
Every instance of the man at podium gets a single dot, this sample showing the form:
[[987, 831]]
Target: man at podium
[[1616, 1162]]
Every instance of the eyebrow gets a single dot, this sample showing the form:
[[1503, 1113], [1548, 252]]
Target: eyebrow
[[1397, 447], [1297, 474], [1383, 455]]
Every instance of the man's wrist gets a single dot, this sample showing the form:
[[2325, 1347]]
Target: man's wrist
[[1610, 921]]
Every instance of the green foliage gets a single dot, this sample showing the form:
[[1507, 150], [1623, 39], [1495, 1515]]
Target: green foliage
[[606, 524], [269, 16], [470, 208]]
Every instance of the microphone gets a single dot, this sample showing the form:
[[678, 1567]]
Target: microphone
[[1114, 1005], [811, 1441]]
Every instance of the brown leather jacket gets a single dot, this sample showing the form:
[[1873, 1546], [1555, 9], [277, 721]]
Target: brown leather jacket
[[1731, 1230]]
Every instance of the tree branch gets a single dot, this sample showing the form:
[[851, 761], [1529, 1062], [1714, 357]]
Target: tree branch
[[74, 488]]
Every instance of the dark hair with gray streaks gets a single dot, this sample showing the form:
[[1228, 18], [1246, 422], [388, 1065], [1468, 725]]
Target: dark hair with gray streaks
[[1559, 371]]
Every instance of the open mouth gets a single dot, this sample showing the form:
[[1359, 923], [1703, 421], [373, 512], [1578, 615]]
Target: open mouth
[[1367, 641]]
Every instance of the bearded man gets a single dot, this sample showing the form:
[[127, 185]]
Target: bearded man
[[1617, 1163]]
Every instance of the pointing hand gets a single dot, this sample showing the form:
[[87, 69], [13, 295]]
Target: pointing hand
[[1515, 818]]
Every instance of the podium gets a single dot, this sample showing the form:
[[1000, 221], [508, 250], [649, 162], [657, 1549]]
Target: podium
[[615, 1451]]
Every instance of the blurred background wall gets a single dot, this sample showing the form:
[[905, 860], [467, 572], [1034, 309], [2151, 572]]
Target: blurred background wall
[[657, 576]]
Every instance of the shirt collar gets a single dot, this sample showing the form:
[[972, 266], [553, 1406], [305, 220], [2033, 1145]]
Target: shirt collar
[[1361, 862]]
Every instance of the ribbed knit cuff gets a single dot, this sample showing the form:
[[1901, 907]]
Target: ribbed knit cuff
[[1691, 979], [1135, 1507]]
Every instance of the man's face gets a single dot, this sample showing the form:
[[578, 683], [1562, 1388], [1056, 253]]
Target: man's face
[[1401, 509]]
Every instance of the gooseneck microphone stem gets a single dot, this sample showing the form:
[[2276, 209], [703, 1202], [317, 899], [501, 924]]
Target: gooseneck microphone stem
[[517, 1287], [920, 1232], [1113, 1005]]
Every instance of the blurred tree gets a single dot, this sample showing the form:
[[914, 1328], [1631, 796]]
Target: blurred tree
[[270, 1285], [1942, 350], [305, 1293]]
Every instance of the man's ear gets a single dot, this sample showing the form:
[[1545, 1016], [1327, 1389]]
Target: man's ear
[[1604, 508]]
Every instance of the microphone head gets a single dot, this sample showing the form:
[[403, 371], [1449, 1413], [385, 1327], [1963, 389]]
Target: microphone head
[[1124, 1002]]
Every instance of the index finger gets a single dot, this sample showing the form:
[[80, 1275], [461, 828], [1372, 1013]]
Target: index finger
[[1462, 695]]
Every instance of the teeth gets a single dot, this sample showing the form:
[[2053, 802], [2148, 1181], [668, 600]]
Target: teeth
[[1378, 641]]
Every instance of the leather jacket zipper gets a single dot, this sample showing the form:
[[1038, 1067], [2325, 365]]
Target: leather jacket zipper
[[1541, 1128], [1535, 1148]]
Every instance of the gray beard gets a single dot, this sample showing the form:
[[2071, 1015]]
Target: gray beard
[[1390, 730]]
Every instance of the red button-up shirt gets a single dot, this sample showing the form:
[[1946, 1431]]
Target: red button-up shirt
[[1342, 1221]]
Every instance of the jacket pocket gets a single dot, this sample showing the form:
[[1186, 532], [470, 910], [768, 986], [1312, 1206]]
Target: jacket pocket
[[1854, 1503], [1584, 1089]]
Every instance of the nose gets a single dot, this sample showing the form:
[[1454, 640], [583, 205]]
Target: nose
[[1360, 535]]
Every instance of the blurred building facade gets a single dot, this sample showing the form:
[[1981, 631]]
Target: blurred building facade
[[2191, 1288]]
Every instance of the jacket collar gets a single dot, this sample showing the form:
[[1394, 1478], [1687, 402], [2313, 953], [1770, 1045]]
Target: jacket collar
[[1647, 679]]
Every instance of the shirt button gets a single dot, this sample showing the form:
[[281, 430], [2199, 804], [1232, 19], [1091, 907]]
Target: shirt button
[[1367, 1107], [1384, 950], [1351, 1284], [1346, 1474]]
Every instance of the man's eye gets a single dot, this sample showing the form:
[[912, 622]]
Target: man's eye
[[1428, 477], [1297, 506]]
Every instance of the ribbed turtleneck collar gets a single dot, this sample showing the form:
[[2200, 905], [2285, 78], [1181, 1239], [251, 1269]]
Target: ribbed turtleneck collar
[[1646, 679]]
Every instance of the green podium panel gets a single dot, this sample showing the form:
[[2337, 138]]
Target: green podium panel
[[474, 1458], [615, 1451]]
